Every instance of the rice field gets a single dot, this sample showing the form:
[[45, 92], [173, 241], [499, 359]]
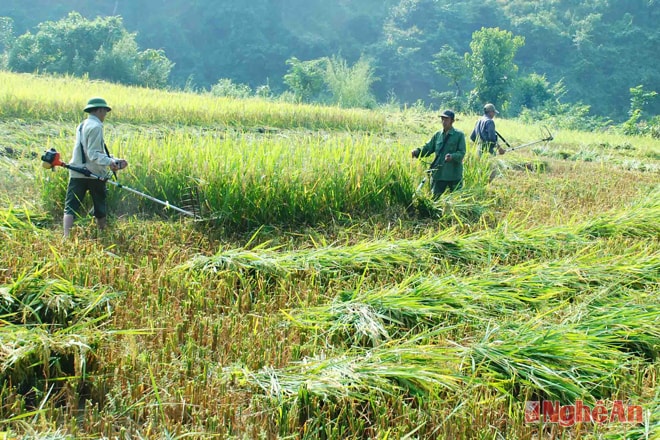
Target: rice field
[[320, 295]]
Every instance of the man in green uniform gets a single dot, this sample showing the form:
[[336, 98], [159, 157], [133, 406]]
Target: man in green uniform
[[449, 148]]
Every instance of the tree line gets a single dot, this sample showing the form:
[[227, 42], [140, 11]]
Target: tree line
[[585, 61]]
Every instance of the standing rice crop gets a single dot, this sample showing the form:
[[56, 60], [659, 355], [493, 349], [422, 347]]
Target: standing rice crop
[[62, 98], [249, 181]]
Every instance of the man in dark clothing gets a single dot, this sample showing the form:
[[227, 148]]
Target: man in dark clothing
[[484, 132], [449, 148]]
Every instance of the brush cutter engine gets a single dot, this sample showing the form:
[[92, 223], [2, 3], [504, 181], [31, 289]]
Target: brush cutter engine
[[51, 159]]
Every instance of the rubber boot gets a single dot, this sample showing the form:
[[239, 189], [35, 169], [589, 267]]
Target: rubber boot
[[68, 224], [101, 223]]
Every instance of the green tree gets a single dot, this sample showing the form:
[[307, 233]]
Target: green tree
[[66, 46], [6, 38], [100, 48], [491, 62], [413, 31], [639, 99], [350, 86], [6, 32], [306, 78], [153, 68], [530, 92], [116, 63], [450, 64]]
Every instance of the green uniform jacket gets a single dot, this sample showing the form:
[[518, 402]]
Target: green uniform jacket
[[454, 145]]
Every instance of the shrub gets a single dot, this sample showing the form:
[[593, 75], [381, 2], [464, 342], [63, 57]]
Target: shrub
[[100, 49], [227, 88], [305, 79], [350, 86]]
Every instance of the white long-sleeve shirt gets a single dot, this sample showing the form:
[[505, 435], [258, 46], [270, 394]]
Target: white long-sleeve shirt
[[97, 160]]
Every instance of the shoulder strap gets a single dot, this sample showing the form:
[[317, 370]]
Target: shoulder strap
[[82, 149]]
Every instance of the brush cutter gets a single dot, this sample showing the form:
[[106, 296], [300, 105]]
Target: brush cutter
[[427, 176], [503, 140], [51, 159], [547, 138]]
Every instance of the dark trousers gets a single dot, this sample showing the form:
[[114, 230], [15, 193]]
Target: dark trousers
[[440, 186], [75, 193]]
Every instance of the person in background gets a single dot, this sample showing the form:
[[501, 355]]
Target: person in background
[[484, 132], [449, 148], [90, 152]]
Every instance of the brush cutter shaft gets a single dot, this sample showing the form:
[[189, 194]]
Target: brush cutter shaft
[[503, 140], [88, 173], [529, 143], [427, 176], [153, 199], [421, 185], [548, 138]]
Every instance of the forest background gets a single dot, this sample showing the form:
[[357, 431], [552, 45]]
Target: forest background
[[592, 62]]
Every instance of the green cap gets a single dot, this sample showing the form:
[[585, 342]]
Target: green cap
[[96, 103], [448, 114]]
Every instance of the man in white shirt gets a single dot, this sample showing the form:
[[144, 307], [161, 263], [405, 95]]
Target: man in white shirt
[[91, 153]]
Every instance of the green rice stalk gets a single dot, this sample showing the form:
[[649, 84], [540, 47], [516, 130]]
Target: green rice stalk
[[50, 327], [559, 363], [556, 362], [33, 298], [14, 218], [370, 317], [390, 369], [502, 245]]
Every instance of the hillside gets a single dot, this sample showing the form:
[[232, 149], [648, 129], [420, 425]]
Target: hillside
[[321, 296]]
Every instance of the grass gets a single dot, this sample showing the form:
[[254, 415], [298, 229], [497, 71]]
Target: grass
[[326, 299]]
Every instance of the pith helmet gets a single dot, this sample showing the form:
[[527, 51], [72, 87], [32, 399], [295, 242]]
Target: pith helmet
[[96, 103], [490, 108]]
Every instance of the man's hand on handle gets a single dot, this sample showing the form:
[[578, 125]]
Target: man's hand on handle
[[118, 164]]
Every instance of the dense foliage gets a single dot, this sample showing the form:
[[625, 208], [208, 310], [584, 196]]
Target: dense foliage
[[595, 52], [99, 48]]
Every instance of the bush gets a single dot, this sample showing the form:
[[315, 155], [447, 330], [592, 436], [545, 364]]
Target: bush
[[573, 116], [306, 79], [350, 86], [227, 88], [264, 92], [100, 49], [332, 81]]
